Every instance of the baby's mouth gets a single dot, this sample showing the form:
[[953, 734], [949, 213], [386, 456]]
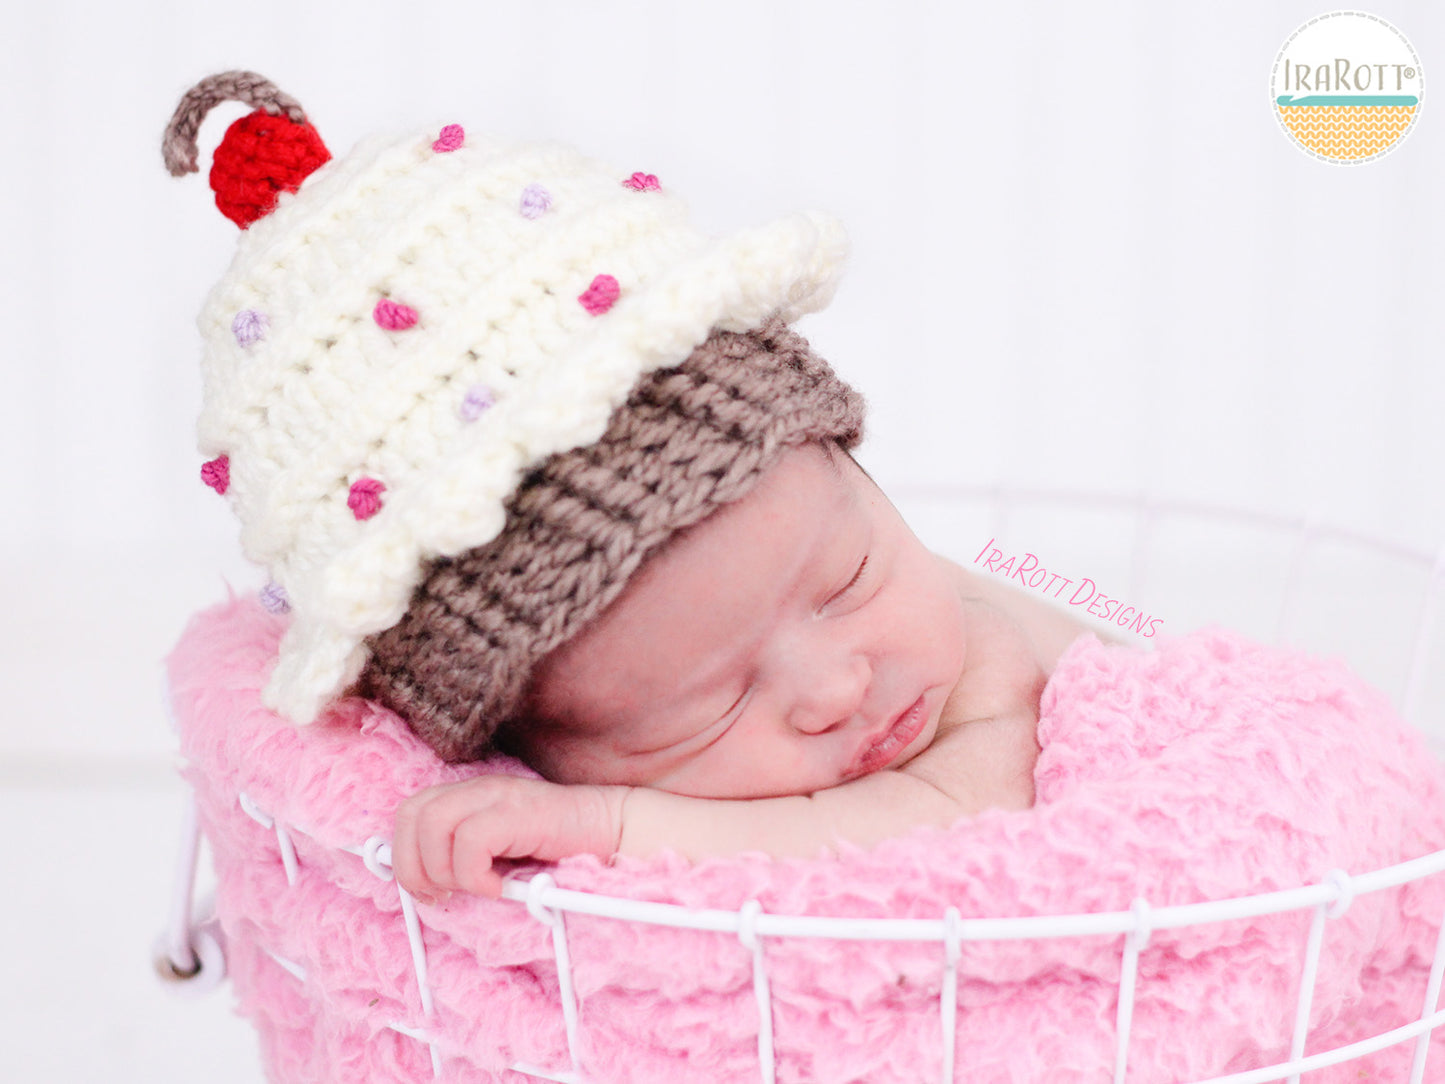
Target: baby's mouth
[[884, 749]]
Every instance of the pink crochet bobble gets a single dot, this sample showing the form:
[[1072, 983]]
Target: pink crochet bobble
[[216, 473], [393, 315], [600, 295], [449, 139], [364, 500]]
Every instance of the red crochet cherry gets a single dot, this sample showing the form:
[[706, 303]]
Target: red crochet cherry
[[261, 156]]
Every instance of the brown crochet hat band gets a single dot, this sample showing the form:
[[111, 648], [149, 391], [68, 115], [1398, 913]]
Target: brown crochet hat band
[[689, 439]]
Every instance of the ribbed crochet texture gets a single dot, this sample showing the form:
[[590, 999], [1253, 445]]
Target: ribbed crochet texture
[[689, 439]]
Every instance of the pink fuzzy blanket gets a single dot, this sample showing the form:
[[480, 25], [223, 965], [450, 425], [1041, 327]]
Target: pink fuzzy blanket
[[1209, 768]]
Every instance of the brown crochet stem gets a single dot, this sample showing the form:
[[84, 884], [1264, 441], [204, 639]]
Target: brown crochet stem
[[178, 146]]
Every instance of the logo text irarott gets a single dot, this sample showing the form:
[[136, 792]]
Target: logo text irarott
[[1343, 75]]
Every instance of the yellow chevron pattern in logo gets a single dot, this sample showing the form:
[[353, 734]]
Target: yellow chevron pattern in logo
[[1347, 133]]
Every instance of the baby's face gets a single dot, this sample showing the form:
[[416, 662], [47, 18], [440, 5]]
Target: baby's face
[[770, 649]]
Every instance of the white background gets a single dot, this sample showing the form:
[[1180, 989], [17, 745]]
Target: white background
[[1085, 257]]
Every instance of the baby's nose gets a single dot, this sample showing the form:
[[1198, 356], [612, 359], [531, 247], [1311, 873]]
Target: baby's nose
[[828, 700]]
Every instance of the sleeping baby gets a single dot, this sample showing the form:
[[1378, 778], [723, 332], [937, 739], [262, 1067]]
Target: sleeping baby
[[544, 470], [794, 671], [541, 467]]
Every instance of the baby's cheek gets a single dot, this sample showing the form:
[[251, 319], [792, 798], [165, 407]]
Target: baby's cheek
[[749, 767], [927, 614], [568, 759]]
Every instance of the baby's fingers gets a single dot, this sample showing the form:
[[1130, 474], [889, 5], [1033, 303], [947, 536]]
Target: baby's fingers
[[421, 847], [474, 847]]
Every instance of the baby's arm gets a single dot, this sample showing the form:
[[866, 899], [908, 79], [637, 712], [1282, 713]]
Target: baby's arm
[[447, 838], [863, 812]]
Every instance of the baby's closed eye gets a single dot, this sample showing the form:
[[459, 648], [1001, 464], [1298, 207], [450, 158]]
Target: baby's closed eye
[[854, 585], [684, 742]]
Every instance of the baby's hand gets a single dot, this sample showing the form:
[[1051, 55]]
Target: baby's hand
[[447, 837]]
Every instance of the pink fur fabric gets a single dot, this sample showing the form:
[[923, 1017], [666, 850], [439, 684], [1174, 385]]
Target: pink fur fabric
[[1211, 767]]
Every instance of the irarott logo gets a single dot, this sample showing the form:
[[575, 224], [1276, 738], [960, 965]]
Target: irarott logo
[[1347, 87]]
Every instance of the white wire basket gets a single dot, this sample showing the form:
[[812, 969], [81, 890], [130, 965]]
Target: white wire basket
[[1148, 548]]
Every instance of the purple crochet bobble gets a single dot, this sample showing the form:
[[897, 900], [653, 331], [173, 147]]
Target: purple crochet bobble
[[273, 597], [249, 326]]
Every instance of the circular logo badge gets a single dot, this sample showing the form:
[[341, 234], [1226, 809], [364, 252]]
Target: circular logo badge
[[1347, 87]]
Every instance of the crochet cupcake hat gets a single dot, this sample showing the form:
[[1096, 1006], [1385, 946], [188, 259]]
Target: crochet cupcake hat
[[405, 332]]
